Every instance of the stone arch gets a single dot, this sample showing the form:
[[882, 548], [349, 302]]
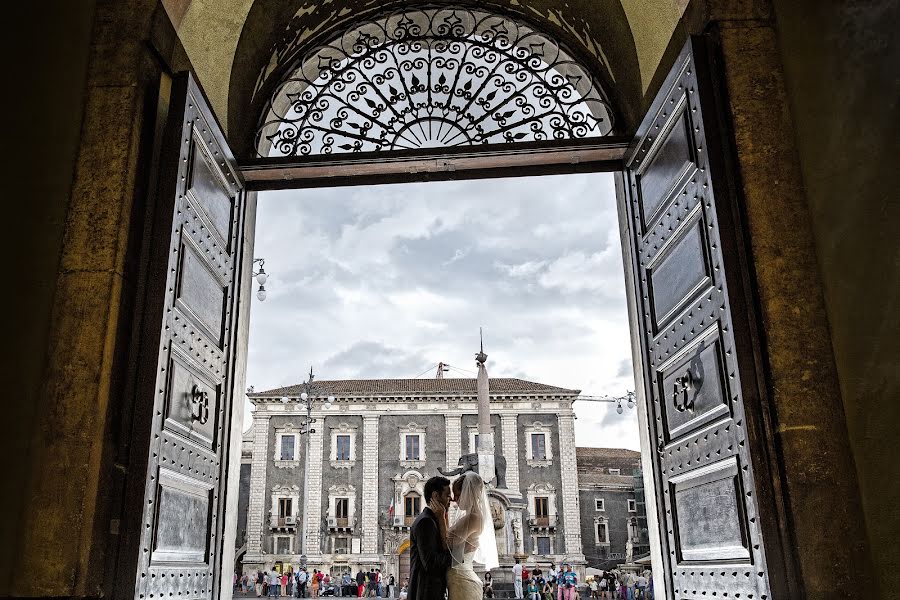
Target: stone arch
[[275, 33]]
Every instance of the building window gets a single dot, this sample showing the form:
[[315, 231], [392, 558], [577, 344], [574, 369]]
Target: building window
[[288, 447], [342, 448], [341, 506], [342, 511], [543, 545], [541, 499], [602, 533], [615, 471], [473, 437], [285, 507], [412, 506], [341, 545], [412, 447], [542, 511], [599, 504], [538, 446], [633, 530], [283, 544], [632, 505]]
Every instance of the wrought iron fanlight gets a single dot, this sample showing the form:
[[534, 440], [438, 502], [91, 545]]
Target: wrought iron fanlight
[[432, 77]]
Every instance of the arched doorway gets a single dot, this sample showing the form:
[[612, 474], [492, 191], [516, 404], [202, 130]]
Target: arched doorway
[[676, 248], [403, 562]]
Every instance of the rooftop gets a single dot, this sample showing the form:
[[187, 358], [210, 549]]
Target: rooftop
[[594, 465], [389, 387]]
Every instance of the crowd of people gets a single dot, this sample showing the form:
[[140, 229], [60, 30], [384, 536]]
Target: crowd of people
[[303, 584], [563, 584], [556, 584], [621, 585]]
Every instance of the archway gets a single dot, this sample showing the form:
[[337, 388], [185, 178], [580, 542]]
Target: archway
[[403, 562], [667, 184], [807, 415]]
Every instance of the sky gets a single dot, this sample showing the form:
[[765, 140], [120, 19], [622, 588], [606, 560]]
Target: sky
[[386, 281]]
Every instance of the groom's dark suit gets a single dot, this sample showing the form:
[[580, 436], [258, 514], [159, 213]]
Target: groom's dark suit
[[428, 559]]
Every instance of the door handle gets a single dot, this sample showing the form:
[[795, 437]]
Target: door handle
[[199, 404], [680, 396]]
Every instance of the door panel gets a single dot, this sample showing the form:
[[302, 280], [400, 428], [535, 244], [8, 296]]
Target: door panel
[[185, 391], [685, 239]]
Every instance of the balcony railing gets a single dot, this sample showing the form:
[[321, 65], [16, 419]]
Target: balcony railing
[[403, 521], [543, 522], [341, 522], [284, 522]]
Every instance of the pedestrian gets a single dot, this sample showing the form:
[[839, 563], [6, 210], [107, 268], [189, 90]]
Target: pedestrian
[[532, 591], [314, 581], [640, 585], [391, 586], [517, 579], [547, 589], [488, 586], [360, 583], [603, 587], [569, 583], [302, 581]]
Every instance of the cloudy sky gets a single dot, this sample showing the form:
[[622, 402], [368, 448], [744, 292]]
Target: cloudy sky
[[386, 281]]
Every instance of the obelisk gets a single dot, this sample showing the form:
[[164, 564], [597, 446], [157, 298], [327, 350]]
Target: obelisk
[[485, 449]]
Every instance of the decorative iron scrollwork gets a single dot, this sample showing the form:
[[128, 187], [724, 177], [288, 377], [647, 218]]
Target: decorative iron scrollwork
[[432, 77]]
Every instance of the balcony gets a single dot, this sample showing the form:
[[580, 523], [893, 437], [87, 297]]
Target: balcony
[[543, 522], [287, 522], [402, 521], [341, 523]]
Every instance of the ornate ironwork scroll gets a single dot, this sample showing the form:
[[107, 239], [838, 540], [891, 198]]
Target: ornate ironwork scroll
[[432, 77]]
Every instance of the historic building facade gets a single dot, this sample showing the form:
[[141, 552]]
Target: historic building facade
[[613, 512], [373, 448]]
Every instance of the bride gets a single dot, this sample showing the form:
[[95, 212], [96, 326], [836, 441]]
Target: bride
[[470, 538]]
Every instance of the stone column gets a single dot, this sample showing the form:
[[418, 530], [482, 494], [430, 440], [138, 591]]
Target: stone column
[[369, 543], [510, 439], [314, 491], [257, 501], [453, 423], [569, 492]]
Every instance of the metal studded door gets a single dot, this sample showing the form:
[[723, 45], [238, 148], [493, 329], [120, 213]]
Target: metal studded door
[[185, 391], [714, 489]]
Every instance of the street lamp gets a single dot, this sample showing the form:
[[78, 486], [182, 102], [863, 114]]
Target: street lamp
[[261, 277], [311, 392], [628, 398]]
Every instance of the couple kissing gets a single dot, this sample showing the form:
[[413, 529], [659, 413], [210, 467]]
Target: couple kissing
[[441, 554]]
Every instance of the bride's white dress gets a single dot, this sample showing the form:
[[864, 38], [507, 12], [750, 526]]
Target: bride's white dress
[[462, 582]]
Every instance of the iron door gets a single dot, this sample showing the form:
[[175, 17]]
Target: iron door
[[185, 390], [714, 486]]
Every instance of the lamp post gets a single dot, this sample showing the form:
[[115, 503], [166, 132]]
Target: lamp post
[[311, 391], [261, 277], [628, 398]]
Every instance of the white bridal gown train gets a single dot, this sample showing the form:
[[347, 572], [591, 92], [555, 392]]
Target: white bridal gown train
[[462, 582]]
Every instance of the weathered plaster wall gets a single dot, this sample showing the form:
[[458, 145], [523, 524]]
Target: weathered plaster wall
[[652, 23], [209, 31], [841, 63], [41, 137]]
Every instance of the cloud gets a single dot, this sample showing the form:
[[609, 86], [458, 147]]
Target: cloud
[[384, 281]]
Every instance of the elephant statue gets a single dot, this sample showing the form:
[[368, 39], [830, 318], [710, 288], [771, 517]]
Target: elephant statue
[[469, 462]]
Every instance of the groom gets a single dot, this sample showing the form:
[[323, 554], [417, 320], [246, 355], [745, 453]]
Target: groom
[[428, 556]]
